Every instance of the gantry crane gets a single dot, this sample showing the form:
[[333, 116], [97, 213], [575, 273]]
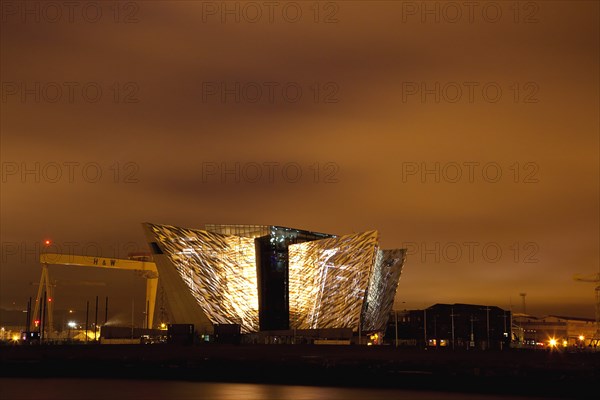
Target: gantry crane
[[595, 278], [146, 268]]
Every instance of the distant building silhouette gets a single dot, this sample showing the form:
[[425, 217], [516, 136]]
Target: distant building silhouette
[[448, 326]]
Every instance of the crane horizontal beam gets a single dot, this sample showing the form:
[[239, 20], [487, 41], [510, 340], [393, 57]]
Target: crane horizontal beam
[[99, 262], [71, 283]]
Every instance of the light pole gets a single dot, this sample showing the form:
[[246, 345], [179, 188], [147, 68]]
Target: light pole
[[487, 318], [425, 326], [504, 334], [452, 315], [396, 315], [435, 331], [523, 301], [472, 342]]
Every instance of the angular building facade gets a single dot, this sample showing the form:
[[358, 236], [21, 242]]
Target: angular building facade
[[275, 278]]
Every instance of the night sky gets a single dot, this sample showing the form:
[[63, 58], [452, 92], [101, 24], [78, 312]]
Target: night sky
[[469, 136]]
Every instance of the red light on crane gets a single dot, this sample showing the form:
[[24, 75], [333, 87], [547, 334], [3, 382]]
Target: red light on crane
[[47, 242]]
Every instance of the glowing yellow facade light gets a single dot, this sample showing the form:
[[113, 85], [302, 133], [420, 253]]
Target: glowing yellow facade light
[[552, 342], [343, 281], [328, 280], [581, 337], [219, 270]]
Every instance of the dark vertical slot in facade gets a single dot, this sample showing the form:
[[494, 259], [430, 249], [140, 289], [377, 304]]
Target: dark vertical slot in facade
[[271, 262]]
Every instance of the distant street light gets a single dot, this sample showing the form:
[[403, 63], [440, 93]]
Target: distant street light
[[71, 325]]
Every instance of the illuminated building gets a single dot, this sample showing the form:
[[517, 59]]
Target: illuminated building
[[275, 278]]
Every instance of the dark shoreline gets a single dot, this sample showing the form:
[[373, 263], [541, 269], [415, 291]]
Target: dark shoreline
[[516, 372]]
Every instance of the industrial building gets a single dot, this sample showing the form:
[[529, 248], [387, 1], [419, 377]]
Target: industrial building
[[270, 278], [452, 326], [554, 331]]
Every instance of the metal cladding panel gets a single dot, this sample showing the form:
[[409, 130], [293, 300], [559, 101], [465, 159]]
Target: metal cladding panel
[[219, 270], [328, 279], [382, 289]]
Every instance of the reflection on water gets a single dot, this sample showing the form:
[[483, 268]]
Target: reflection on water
[[112, 389]]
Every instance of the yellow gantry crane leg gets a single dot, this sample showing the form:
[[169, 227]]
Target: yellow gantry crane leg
[[151, 289], [146, 268], [48, 300]]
